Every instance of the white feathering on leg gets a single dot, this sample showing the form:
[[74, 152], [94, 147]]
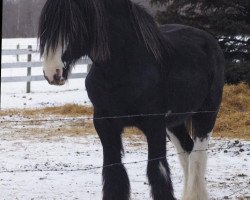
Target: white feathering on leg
[[196, 186], [183, 157]]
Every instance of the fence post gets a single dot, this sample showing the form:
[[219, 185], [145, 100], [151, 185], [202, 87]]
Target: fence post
[[29, 69], [17, 56]]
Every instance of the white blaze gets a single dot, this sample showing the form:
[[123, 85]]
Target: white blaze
[[53, 64]]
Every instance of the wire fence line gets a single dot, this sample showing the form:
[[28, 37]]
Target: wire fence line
[[166, 115], [123, 163], [89, 168], [105, 117], [109, 117], [113, 164]]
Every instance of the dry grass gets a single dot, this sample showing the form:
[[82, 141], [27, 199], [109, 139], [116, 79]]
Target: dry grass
[[233, 120], [234, 116], [70, 110]]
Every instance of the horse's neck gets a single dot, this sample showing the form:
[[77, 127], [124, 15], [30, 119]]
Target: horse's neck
[[116, 4], [122, 33], [123, 37]]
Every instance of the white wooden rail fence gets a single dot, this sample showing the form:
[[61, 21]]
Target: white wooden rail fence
[[31, 64]]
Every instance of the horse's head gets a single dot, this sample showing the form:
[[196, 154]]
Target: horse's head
[[59, 60], [63, 38], [68, 30], [53, 67]]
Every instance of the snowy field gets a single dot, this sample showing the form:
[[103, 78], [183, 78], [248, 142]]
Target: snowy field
[[38, 167], [71, 168]]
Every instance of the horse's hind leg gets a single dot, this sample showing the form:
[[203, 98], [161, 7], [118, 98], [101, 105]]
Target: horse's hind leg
[[158, 170], [180, 137], [196, 186], [115, 179]]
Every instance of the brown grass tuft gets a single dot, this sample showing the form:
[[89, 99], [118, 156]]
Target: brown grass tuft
[[72, 110], [234, 116], [67, 109]]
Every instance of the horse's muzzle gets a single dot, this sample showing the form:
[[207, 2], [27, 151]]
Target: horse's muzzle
[[57, 78]]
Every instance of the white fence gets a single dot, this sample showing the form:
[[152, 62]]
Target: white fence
[[29, 64]]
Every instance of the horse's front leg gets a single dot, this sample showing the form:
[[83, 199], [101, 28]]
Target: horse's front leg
[[158, 170], [115, 179]]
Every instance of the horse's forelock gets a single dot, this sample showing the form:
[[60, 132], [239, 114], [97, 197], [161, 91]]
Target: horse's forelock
[[61, 21], [75, 22]]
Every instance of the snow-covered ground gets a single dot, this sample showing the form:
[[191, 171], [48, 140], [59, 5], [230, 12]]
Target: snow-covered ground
[[64, 160], [227, 173]]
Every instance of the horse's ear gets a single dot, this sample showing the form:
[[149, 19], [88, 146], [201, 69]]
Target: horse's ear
[[100, 51]]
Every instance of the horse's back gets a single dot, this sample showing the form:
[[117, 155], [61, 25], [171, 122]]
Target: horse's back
[[195, 39]]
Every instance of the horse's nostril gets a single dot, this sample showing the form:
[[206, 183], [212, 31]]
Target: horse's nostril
[[57, 77], [58, 80]]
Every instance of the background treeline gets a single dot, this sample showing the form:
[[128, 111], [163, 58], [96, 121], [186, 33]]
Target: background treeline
[[227, 20], [20, 17]]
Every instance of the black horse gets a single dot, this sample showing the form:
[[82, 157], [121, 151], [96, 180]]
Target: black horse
[[142, 71]]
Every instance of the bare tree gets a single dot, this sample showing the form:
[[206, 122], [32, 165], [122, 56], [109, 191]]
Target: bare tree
[[20, 17]]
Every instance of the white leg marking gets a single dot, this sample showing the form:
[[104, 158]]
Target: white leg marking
[[196, 186], [53, 63], [163, 171], [183, 157]]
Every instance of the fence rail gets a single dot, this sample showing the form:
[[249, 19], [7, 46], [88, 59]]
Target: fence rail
[[10, 52], [32, 64], [36, 78], [84, 61]]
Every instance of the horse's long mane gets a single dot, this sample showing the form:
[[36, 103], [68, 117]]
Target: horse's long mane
[[84, 22], [148, 31]]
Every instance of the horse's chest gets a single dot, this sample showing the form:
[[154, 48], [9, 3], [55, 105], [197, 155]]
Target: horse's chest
[[120, 92], [104, 90]]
